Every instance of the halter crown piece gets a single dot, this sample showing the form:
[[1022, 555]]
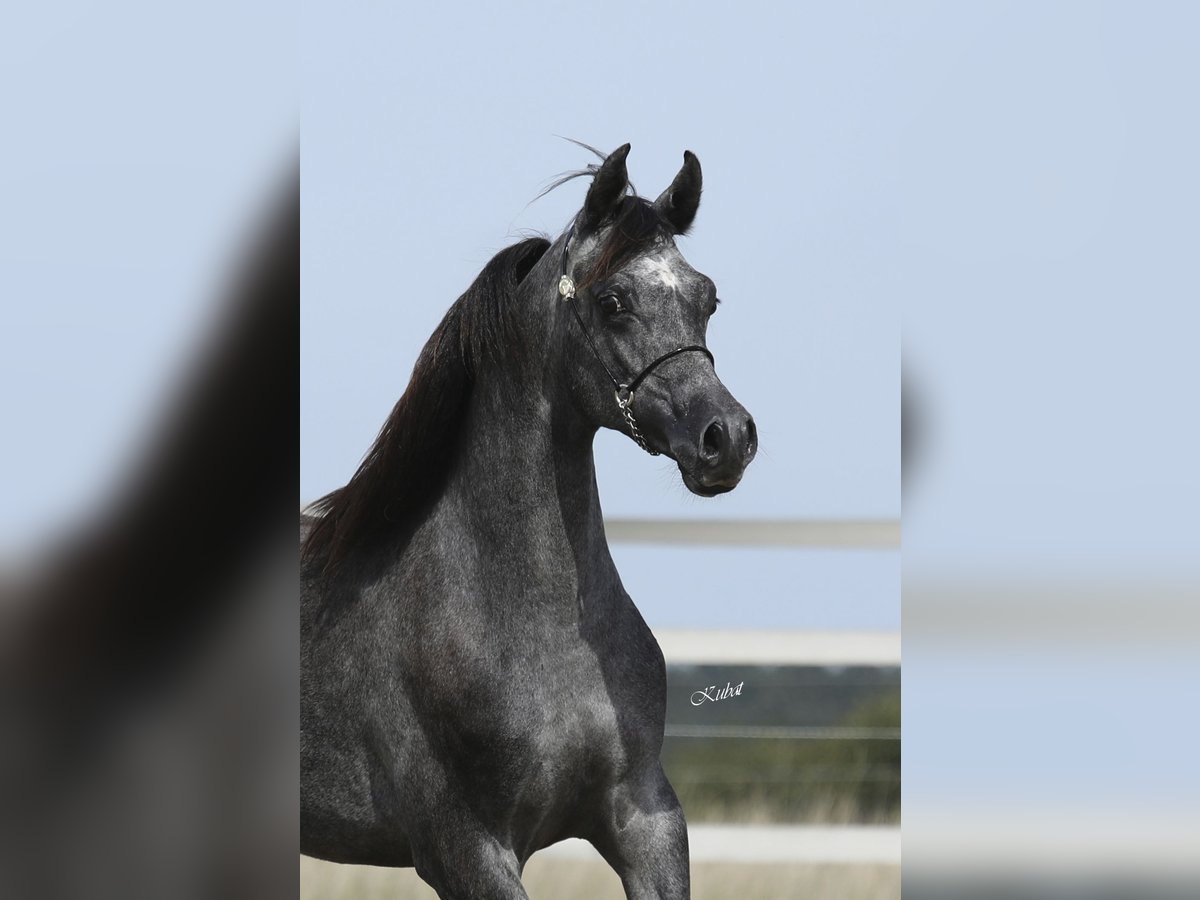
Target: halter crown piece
[[624, 390]]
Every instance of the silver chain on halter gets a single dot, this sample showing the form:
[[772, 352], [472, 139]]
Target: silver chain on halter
[[627, 411]]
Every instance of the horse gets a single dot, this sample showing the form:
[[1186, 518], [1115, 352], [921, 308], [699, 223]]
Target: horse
[[476, 684]]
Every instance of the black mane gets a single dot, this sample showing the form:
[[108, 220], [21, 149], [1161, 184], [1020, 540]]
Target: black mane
[[408, 463], [411, 457]]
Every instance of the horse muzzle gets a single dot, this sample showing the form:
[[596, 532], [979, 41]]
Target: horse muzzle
[[725, 445]]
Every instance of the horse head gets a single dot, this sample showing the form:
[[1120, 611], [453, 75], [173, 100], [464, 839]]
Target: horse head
[[637, 360]]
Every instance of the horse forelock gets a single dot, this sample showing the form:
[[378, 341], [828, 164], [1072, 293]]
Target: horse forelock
[[636, 229]]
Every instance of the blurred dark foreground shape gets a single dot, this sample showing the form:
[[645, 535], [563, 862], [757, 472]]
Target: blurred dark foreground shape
[[148, 661]]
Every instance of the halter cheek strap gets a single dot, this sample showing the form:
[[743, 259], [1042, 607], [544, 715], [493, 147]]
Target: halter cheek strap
[[624, 390]]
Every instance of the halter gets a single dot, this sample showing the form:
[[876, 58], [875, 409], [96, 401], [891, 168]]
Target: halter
[[624, 390]]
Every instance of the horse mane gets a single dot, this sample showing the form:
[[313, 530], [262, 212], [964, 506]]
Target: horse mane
[[408, 464], [411, 458]]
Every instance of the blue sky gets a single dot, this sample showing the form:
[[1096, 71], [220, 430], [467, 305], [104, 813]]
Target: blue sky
[[424, 143]]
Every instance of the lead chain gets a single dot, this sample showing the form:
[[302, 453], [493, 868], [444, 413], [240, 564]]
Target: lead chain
[[626, 409]]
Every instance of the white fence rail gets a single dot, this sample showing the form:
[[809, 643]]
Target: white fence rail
[[779, 648], [881, 534], [865, 534]]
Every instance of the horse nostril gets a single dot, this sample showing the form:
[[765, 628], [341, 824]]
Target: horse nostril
[[714, 440], [751, 437]]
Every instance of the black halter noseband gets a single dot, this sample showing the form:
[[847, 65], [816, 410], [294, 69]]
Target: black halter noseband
[[624, 390]]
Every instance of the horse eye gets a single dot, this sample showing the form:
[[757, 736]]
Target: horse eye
[[610, 304]]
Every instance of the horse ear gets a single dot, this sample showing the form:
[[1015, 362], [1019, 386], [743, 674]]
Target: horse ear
[[678, 203], [608, 187]]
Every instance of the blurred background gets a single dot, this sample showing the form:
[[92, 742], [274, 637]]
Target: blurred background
[[149, 260], [1051, 545], [1014, 183]]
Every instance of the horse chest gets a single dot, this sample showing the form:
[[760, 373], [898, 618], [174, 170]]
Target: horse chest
[[536, 704], [576, 751], [557, 703], [545, 726]]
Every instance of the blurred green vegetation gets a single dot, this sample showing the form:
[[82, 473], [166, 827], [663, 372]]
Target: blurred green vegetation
[[830, 780]]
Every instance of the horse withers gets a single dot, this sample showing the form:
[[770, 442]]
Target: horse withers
[[476, 683]]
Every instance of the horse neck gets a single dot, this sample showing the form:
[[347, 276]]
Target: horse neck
[[525, 481]]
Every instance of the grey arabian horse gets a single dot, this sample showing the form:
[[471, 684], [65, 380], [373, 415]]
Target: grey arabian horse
[[476, 683]]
